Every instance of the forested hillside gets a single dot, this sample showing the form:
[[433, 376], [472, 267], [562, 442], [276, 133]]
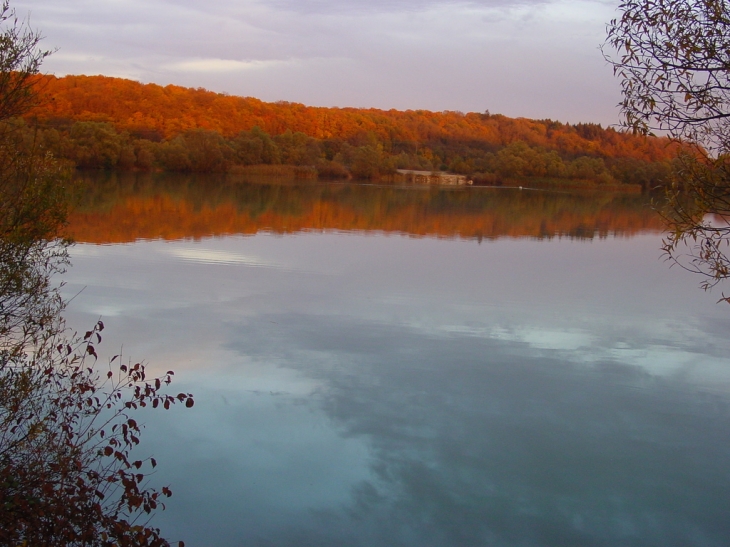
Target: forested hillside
[[111, 123]]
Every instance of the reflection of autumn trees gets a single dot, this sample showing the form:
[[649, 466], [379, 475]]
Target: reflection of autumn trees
[[173, 128], [123, 208]]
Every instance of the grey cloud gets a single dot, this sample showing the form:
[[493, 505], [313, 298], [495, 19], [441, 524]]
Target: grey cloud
[[408, 6], [526, 58], [230, 7]]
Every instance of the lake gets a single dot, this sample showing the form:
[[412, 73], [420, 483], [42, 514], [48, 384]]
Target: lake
[[408, 366]]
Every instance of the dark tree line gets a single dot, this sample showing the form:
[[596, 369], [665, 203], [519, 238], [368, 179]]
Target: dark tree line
[[98, 145]]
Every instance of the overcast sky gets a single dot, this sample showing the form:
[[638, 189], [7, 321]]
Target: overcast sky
[[531, 58]]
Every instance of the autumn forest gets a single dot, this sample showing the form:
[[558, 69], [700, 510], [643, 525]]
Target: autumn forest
[[106, 123]]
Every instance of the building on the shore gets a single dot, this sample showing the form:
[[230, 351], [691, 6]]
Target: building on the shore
[[431, 177]]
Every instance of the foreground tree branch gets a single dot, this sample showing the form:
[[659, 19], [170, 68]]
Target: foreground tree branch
[[673, 60], [67, 426]]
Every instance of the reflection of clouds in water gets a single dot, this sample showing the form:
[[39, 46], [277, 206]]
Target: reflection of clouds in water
[[477, 441], [542, 338], [686, 352], [202, 255], [86, 249], [254, 461], [658, 349], [151, 251], [465, 405]]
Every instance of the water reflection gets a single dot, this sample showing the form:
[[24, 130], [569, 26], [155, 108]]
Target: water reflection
[[371, 388], [120, 208], [477, 442]]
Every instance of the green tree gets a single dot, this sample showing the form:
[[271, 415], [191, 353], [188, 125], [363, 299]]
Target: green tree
[[672, 59], [270, 153], [208, 151], [98, 146], [298, 149], [249, 149], [367, 162], [510, 161], [174, 156], [144, 151]]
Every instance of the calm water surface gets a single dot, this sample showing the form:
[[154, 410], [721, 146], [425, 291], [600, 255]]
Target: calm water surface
[[379, 366]]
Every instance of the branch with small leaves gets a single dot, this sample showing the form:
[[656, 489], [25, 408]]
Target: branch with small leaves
[[66, 469], [675, 76]]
